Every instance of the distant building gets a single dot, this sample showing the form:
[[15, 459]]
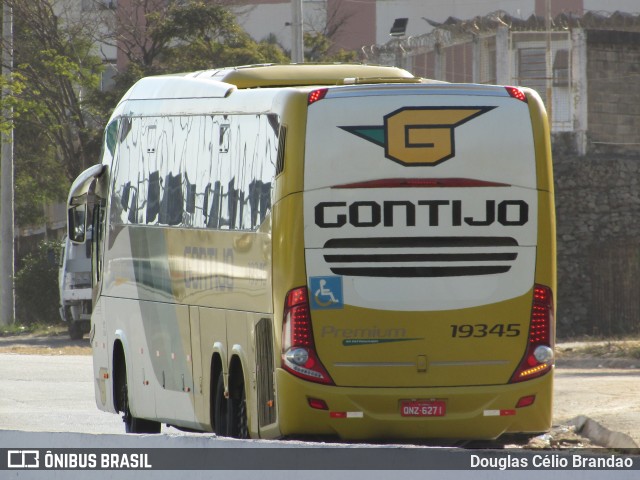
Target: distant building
[[367, 22], [584, 67]]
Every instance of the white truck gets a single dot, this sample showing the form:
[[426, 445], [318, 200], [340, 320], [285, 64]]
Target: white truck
[[74, 280]]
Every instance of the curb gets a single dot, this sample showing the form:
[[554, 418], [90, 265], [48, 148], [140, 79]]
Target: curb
[[601, 435]]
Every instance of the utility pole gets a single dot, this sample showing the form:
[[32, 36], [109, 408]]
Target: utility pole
[[297, 37], [549, 62], [7, 297]]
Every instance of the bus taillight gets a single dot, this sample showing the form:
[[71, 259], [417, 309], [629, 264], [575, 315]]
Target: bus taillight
[[516, 93], [316, 95], [539, 356], [298, 348]]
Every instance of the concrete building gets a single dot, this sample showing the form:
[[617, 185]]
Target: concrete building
[[584, 68], [368, 22]]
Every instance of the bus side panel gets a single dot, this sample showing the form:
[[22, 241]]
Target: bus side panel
[[101, 358], [546, 260], [156, 343]]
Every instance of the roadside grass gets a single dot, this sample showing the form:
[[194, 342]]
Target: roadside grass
[[37, 329]]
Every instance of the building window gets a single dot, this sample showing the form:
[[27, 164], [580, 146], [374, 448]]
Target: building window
[[532, 68], [561, 69]]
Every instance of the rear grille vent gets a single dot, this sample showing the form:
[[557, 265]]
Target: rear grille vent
[[265, 370], [282, 140], [420, 256]]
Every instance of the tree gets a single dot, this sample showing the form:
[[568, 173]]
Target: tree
[[56, 62], [55, 65], [37, 297], [319, 42], [160, 37], [60, 111], [318, 47]]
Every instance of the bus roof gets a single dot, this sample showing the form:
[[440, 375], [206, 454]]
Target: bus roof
[[281, 75]]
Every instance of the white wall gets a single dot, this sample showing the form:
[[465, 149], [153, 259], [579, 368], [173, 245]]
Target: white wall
[[630, 6], [264, 19]]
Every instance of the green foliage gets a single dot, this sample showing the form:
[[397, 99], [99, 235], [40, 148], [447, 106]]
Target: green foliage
[[54, 134], [36, 283], [38, 176], [318, 48], [180, 37], [194, 36], [55, 66], [59, 112]]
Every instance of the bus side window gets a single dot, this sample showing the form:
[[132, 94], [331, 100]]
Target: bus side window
[[153, 202], [133, 209], [172, 203], [212, 217], [259, 201], [232, 205], [124, 199], [190, 206]]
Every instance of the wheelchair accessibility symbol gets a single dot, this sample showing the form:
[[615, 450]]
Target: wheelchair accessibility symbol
[[326, 293]]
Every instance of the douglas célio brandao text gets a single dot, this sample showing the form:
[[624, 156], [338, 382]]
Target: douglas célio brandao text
[[552, 461]]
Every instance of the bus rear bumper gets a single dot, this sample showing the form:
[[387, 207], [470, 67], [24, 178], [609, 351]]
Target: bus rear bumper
[[475, 412]]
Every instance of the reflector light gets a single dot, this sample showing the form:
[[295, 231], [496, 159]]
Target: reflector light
[[539, 338], [422, 183], [516, 93], [499, 413], [526, 401], [297, 296], [298, 348], [316, 95], [318, 404]]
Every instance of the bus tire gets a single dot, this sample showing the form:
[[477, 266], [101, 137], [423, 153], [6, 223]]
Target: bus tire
[[220, 409], [238, 424], [133, 424]]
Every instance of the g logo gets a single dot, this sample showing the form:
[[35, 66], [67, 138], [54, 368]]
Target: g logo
[[419, 136]]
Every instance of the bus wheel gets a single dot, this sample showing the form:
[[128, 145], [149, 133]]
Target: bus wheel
[[239, 427], [220, 409], [133, 424]]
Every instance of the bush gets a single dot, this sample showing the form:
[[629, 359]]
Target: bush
[[36, 284]]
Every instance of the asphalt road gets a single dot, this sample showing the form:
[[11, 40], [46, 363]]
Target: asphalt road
[[54, 393]]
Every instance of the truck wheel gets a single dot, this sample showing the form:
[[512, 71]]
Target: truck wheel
[[75, 330]]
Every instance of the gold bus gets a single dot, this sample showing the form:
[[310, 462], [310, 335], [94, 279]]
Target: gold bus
[[339, 250]]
